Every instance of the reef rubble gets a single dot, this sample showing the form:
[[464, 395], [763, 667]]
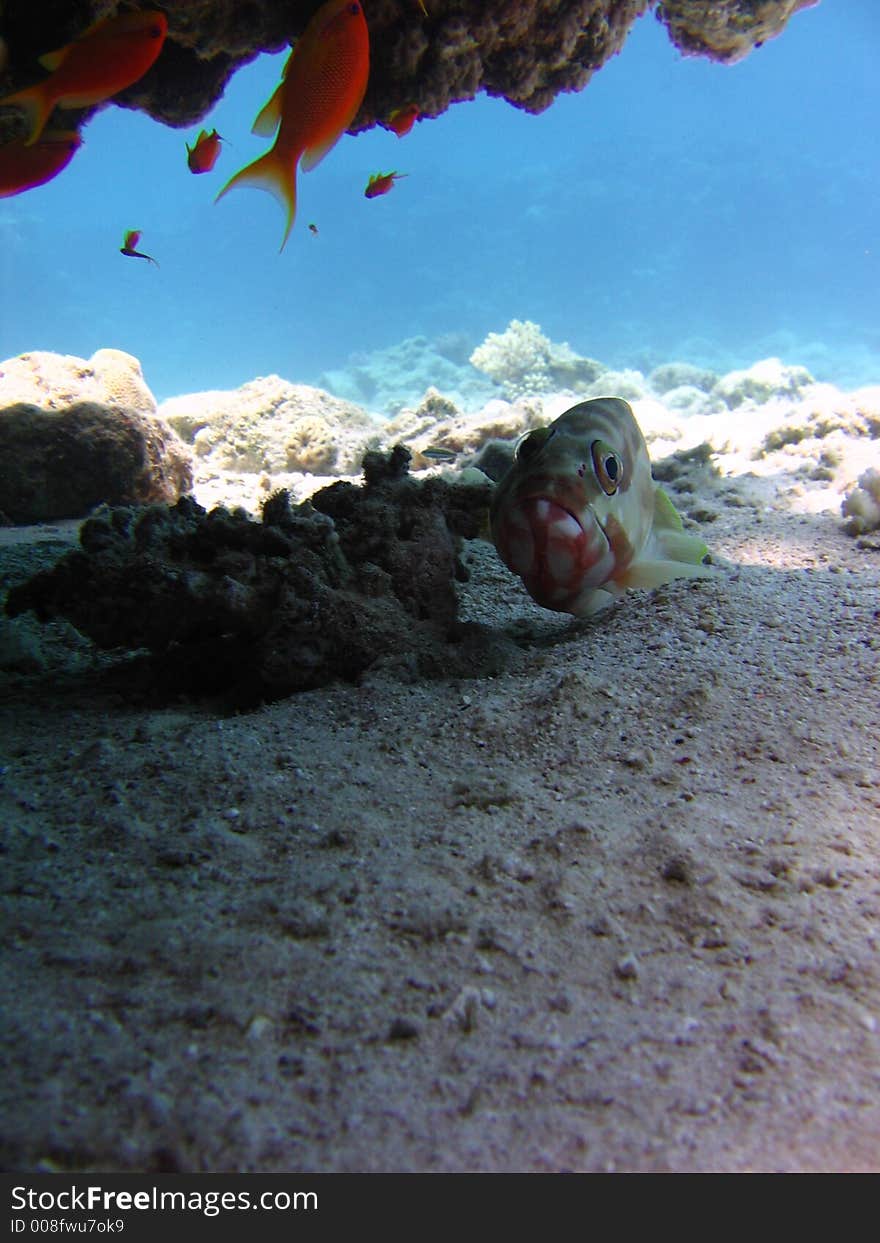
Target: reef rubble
[[76, 432], [253, 611]]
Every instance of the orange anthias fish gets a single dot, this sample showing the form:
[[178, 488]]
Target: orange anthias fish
[[381, 183], [402, 120], [132, 237], [108, 57], [323, 84], [202, 155], [23, 167]]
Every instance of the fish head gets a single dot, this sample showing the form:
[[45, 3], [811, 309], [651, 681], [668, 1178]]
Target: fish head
[[576, 506]]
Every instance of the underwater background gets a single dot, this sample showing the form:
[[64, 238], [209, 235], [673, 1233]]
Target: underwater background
[[675, 209]]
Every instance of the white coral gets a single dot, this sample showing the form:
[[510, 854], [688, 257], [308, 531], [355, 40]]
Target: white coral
[[759, 383], [861, 505], [518, 359]]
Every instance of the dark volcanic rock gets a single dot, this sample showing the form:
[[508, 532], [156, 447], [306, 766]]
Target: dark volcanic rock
[[256, 610], [61, 463]]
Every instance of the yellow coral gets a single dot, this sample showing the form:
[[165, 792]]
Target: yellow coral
[[310, 446]]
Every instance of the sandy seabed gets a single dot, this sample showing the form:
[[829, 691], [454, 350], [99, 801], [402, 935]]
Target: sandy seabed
[[615, 908]]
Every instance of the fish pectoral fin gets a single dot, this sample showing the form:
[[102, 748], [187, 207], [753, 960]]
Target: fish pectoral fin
[[668, 540], [646, 575], [666, 516], [677, 546], [52, 60], [593, 599], [269, 117]]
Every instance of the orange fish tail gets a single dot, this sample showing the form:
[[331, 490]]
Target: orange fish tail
[[273, 173], [37, 106]]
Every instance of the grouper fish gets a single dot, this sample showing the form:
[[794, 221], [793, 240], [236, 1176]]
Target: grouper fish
[[579, 518]]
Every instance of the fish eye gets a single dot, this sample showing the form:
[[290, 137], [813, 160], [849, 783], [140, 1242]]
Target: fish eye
[[155, 32], [608, 466], [532, 443]]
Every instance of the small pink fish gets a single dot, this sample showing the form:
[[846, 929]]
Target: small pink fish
[[381, 183], [402, 120], [202, 155], [132, 237]]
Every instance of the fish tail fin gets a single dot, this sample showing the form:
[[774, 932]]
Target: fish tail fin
[[272, 173], [36, 105]]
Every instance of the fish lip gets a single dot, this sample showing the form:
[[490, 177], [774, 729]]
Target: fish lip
[[553, 500], [589, 553]]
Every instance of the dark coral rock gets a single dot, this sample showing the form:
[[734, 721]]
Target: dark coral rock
[[256, 610], [726, 30], [526, 51], [61, 463]]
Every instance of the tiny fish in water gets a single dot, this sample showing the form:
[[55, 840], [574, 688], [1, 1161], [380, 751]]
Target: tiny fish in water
[[128, 247], [202, 155], [313, 229], [24, 167], [579, 518], [324, 81], [381, 183], [107, 57], [402, 120], [435, 453]]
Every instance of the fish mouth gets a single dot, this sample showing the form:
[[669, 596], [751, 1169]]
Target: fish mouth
[[555, 551]]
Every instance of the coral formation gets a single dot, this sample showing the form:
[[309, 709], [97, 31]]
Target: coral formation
[[386, 380], [628, 384], [522, 360], [76, 433], [670, 376], [861, 505], [257, 610], [726, 30], [52, 381], [311, 446], [272, 425], [433, 425], [819, 413], [765, 379], [527, 52]]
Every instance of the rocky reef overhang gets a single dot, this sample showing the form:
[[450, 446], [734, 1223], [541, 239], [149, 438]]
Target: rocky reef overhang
[[431, 54]]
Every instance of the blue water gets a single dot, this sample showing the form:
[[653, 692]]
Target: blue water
[[675, 209]]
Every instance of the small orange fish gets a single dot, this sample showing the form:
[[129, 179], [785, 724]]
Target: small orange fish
[[324, 81], [402, 120], [132, 237], [202, 155], [23, 167], [381, 183], [109, 56]]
